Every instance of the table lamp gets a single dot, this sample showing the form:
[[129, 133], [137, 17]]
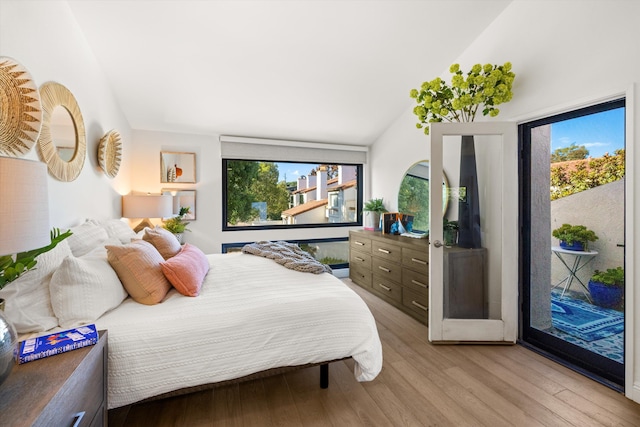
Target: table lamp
[[24, 225], [146, 206]]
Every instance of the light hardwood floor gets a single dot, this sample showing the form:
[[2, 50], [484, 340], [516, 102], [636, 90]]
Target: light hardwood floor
[[420, 385]]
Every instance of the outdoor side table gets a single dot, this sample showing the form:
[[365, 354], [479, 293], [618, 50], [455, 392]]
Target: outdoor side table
[[580, 260]]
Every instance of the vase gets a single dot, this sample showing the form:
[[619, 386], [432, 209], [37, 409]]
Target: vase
[[372, 220], [604, 295], [469, 205], [179, 237], [575, 246], [8, 344]]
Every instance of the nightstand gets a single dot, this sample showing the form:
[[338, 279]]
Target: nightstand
[[68, 389]]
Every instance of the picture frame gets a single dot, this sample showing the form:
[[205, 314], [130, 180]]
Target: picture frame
[[177, 167], [182, 198]]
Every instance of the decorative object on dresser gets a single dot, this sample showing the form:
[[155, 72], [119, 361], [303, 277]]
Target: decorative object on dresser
[[176, 224], [110, 153], [62, 144], [146, 206], [396, 268], [21, 117], [69, 389], [373, 209]]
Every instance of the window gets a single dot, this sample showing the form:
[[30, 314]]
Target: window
[[273, 194]]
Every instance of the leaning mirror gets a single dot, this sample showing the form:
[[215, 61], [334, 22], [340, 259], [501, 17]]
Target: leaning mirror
[[182, 199], [413, 196], [177, 167], [62, 143]]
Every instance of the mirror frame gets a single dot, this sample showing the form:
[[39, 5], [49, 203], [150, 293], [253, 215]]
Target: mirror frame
[[445, 183], [185, 158], [178, 192], [54, 95]]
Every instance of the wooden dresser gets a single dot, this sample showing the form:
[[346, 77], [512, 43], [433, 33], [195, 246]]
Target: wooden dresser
[[395, 268], [69, 389]]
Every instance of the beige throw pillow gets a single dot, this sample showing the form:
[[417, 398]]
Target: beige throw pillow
[[138, 267], [163, 240]]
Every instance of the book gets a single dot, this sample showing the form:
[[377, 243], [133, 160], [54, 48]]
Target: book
[[60, 342]]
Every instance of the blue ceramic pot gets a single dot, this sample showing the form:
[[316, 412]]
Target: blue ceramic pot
[[605, 295], [576, 246]]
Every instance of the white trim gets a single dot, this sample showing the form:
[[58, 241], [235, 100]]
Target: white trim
[[632, 390], [291, 143]]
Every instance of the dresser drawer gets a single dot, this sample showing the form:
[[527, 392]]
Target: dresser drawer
[[416, 303], [389, 270], [419, 282], [386, 250], [415, 260], [360, 244], [360, 276], [359, 259], [387, 288]]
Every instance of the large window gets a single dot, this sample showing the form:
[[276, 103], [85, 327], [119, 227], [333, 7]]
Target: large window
[[273, 194]]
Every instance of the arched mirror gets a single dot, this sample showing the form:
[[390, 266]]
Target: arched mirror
[[413, 195], [62, 143]]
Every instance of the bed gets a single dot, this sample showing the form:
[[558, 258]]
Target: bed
[[250, 316]]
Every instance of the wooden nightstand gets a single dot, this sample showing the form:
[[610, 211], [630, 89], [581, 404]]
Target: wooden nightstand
[[69, 389]]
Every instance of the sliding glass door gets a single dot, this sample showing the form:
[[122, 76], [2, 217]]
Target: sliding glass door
[[572, 188]]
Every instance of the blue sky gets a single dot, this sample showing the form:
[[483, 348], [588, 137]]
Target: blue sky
[[601, 133], [294, 170]]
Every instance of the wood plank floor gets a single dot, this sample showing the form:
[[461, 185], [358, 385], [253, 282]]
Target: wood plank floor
[[420, 385]]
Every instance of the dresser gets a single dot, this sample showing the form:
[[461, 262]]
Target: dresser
[[68, 389], [395, 268]]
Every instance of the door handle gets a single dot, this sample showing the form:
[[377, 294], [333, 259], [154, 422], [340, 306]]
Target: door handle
[[437, 243]]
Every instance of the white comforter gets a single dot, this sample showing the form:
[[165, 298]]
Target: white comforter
[[252, 314]]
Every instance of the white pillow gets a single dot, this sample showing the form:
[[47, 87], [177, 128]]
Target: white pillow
[[27, 299], [116, 228], [85, 238], [84, 288]]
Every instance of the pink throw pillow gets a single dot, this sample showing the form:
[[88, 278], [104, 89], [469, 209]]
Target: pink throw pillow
[[186, 270]]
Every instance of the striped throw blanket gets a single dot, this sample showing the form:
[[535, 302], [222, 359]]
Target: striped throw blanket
[[288, 255]]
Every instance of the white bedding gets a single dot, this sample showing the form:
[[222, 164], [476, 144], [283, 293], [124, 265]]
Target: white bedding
[[252, 314]]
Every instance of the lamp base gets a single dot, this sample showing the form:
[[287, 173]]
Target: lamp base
[[144, 223]]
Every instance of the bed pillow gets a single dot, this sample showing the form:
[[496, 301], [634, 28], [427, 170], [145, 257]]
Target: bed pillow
[[27, 299], [84, 288], [186, 270], [116, 228], [85, 238], [137, 264], [163, 240]]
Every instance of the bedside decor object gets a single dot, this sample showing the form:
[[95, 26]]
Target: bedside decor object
[[20, 109], [146, 206], [54, 95], [486, 86], [177, 225], [178, 167], [110, 153]]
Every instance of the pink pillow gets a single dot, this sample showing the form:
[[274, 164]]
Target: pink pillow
[[186, 270]]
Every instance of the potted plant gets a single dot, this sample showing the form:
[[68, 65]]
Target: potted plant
[[607, 287], [177, 225], [574, 237], [372, 210], [450, 232]]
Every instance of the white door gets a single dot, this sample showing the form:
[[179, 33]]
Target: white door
[[479, 301]]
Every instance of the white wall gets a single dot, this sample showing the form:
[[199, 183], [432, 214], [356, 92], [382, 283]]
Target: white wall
[[564, 54], [52, 48]]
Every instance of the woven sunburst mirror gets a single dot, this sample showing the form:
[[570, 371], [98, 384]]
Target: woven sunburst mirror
[[54, 95], [20, 109], [110, 153]]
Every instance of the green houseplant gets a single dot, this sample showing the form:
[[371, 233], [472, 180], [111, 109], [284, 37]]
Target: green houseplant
[[450, 232], [607, 287], [373, 209], [177, 225], [574, 237]]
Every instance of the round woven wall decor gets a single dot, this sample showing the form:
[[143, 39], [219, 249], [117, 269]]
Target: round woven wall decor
[[20, 109], [110, 153], [56, 95]]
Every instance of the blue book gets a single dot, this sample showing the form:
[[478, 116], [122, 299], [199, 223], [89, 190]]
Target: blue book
[[56, 343]]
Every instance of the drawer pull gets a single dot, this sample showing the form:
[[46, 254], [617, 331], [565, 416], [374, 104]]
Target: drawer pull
[[419, 261], [384, 269], [386, 288], [358, 243], [417, 304], [77, 419], [384, 251], [415, 282], [359, 259]]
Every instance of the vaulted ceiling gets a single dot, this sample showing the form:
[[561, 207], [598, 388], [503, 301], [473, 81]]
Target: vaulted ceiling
[[314, 70]]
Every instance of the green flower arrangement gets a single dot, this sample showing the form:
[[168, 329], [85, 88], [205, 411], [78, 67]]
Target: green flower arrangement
[[177, 225], [484, 86]]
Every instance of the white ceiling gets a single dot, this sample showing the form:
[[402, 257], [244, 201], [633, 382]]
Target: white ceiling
[[334, 71]]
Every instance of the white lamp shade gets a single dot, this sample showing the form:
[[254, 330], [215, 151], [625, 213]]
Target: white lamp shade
[[147, 206], [24, 205]]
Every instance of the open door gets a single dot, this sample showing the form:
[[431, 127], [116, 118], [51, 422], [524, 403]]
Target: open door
[[473, 291]]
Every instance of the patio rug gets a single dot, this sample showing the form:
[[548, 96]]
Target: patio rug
[[583, 320]]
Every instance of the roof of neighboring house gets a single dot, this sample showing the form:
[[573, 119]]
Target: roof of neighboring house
[[297, 210], [343, 186]]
